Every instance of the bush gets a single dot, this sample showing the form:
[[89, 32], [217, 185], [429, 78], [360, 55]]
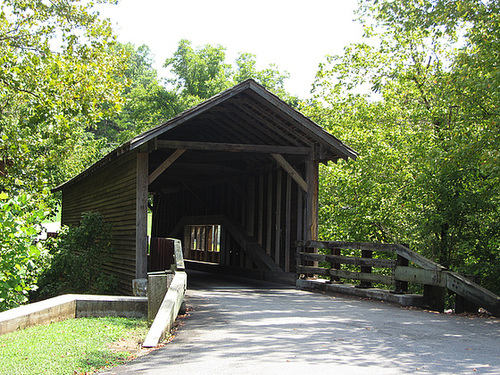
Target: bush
[[21, 257], [78, 261]]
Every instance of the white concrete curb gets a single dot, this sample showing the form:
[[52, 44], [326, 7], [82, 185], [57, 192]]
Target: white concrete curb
[[71, 306], [168, 311]]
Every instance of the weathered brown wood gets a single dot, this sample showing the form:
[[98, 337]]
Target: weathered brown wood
[[300, 224], [113, 194], [233, 147], [288, 221], [312, 127], [420, 276], [277, 229], [312, 198], [367, 254], [250, 221], [269, 218], [370, 277], [356, 261], [418, 259], [167, 163], [471, 291], [260, 225], [141, 252], [389, 248], [283, 163], [401, 286], [434, 297], [335, 264]]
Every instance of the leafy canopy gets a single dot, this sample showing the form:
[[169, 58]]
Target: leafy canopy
[[427, 132]]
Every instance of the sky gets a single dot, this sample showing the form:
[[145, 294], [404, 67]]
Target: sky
[[294, 35]]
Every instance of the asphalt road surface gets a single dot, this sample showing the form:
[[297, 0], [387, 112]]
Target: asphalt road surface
[[246, 327]]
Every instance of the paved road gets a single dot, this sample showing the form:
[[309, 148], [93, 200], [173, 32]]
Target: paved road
[[260, 328]]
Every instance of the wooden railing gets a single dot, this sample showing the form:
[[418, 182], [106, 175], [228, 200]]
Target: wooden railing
[[395, 272]]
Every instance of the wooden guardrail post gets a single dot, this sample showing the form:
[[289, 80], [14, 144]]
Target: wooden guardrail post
[[401, 287], [335, 266], [463, 304], [366, 269], [434, 297]]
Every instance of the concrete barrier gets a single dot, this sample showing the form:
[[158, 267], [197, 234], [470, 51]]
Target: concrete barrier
[[71, 306], [168, 311], [373, 293]]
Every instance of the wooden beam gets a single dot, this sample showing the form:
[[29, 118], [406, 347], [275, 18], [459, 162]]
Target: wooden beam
[[312, 204], [420, 276], [290, 170], [277, 229], [141, 217], [233, 147], [167, 163]]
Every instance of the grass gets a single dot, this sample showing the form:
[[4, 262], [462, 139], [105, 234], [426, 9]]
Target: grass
[[73, 346]]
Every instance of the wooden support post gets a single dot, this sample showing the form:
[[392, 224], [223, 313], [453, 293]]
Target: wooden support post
[[141, 217], [269, 218], [366, 269], [300, 228], [434, 297], [277, 243], [288, 222], [335, 266], [312, 176], [463, 304], [260, 224], [312, 172], [401, 287]]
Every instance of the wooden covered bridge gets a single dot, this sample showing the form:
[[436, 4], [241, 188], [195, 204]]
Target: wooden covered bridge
[[236, 178]]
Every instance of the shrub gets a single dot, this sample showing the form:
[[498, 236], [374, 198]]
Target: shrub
[[21, 257], [78, 261]]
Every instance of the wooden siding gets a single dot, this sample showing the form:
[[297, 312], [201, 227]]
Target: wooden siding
[[112, 192]]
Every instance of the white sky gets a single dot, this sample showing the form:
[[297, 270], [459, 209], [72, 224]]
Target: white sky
[[294, 35]]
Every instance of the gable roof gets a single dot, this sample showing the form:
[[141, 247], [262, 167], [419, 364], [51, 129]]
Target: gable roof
[[244, 114]]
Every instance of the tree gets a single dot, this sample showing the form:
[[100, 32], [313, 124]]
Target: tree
[[199, 73], [432, 130], [57, 79], [146, 102]]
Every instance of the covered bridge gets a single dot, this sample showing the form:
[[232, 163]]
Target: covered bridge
[[235, 178]]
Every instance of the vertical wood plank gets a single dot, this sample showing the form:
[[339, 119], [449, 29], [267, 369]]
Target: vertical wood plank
[[141, 217], [277, 245], [222, 247], [260, 224], [288, 209], [250, 225], [312, 167], [300, 221], [269, 212]]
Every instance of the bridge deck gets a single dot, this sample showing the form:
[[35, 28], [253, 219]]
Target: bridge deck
[[259, 328]]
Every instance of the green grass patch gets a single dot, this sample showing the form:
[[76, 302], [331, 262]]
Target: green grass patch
[[72, 346]]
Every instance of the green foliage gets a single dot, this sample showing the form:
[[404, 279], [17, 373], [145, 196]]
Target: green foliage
[[199, 73], [79, 258], [57, 79], [20, 256], [73, 346], [427, 132]]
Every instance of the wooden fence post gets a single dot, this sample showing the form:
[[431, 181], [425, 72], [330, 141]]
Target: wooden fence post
[[434, 297], [366, 269], [335, 266], [401, 287]]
